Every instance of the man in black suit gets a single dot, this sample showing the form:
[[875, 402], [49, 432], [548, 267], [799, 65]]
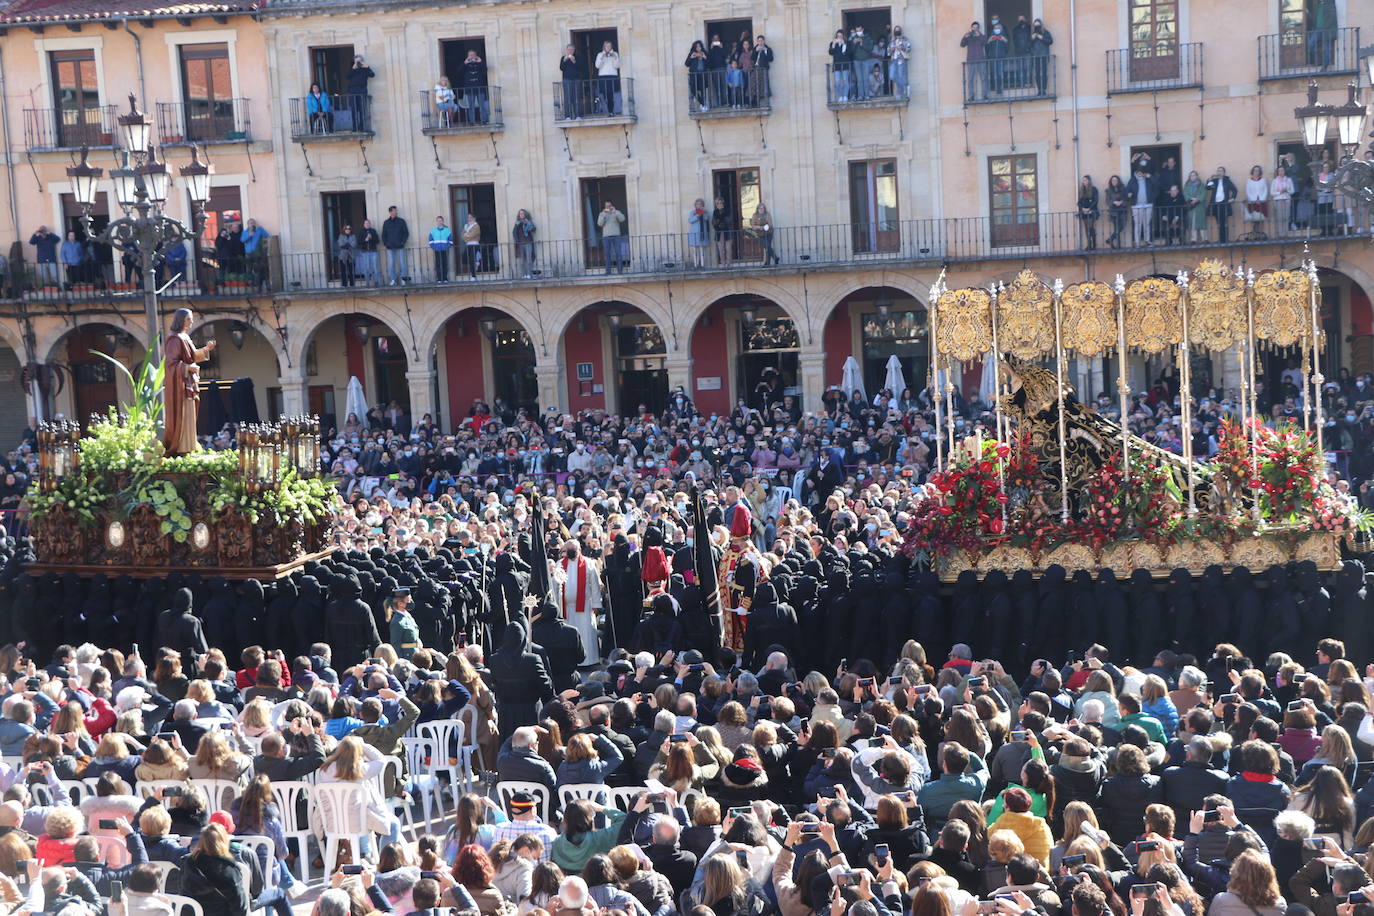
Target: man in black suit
[[1221, 191]]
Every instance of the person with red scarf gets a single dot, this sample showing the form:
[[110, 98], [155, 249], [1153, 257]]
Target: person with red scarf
[[580, 599]]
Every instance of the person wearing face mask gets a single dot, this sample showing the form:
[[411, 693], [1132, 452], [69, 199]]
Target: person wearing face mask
[[580, 459], [997, 48], [580, 600]]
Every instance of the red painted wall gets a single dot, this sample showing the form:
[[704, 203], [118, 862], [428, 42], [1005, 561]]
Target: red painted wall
[[353, 350], [585, 347], [838, 341], [1361, 321], [463, 356], [710, 359]]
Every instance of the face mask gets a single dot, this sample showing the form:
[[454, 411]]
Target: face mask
[[588, 492]]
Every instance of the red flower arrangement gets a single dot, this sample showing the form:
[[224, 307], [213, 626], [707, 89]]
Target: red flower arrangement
[[962, 506]]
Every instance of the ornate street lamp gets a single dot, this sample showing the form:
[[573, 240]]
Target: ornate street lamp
[[1353, 176], [141, 191]]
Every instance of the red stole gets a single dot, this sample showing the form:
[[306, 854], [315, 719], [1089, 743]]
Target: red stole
[[581, 585]]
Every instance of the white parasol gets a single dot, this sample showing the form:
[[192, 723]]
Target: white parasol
[[852, 378], [356, 403], [896, 381]]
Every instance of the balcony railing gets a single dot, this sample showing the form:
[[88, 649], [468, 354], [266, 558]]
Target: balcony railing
[[472, 109], [723, 93], [1313, 53], [342, 116], [69, 128], [220, 121], [890, 86], [1009, 79], [1151, 66], [789, 248], [603, 98]]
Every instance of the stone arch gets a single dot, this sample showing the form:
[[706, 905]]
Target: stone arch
[[430, 330], [637, 298], [46, 346], [253, 322], [305, 323], [763, 289]]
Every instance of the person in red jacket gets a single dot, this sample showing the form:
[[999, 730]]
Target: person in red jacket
[[252, 658]]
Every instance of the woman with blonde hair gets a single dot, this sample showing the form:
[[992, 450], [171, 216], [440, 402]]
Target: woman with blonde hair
[[1155, 701], [112, 756], [1253, 889], [675, 766], [1336, 750], [256, 719], [71, 720], [708, 741], [459, 669], [1327, 799], [1076, 814], [211, 876], [216, 759], [356, 762], [588, 759]]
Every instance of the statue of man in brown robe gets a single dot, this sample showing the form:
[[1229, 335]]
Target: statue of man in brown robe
[[181, 385]]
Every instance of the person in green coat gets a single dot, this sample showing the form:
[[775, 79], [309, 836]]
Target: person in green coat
[[405, 633], [1196, 220], [580, 839], [1035, 779]]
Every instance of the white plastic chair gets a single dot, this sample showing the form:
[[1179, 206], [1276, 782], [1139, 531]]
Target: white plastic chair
[[179, 901], [397, 803], [506, 788], [427, 785], [269, 874], [76, 790], [623, 797], [447, 737], [149, 788], [219, 793], [575, 791], [470, 748], [342, 811], [288, 794], [163, 870]]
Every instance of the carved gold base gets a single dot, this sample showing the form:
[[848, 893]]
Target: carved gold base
[[1124, 557]]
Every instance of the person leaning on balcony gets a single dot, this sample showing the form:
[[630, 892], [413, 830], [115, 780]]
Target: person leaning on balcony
[[254, 239], [1088, 211], [523, 236], [319, 110], [395, 234], [723, 228], [860, 53], [443, 101], [840, 60], [975, 43], [368, 243], [898, 59], [610, 220], [45, 243]]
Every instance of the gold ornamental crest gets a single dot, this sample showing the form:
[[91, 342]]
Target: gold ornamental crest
[[1089, 323], [1281, 307], [1025, 317], [1154, 317], [1216, 307], [964, 329]]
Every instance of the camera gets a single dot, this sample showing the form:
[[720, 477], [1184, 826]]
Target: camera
[[1211, 817], [977, 681], [1071, 861], [1147, 846], [351, 869]]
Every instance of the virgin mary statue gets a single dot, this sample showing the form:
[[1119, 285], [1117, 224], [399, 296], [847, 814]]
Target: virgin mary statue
[[181, 385]]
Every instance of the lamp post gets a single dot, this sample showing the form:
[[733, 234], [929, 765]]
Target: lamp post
[[1353, 176], [140, 186]]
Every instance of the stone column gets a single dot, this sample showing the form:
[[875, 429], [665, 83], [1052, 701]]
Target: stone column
[[811, 365], [421, 383], [550, 377], [294, 402], [679, 367]]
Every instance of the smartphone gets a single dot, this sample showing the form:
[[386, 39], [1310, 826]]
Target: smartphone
[[1147, 846], [1142, 891], [172, 792], [987, 907], [696, 668], [1315, 842], [740, 812], [977, 681], [431, 875], [1356, 897], [844, 664], [351, 869], [924, 688], [880, 851], [1212, 817], [1010, 898], [678, 737], [893, 681], [1296, 706], [462, 640], [116, 891], [1230, 698], [846, 879], [1020, 734], [866, 682], [134, 649], [810, 829], [829, 752], [106, 823], [658, 796], [1071, 861], [227, 726], [742, 859]]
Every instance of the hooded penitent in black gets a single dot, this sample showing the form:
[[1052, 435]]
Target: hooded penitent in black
[[248, 612], [218, 614], [308, 618], [968, 610], [1214, 609], [1111, 605], [771, 622], [1050, 615], [1247, 612], [997, 620], [348, 621], [519, 679], [1350, 609], [1025, 605], [1180, 609], [178, 628], [1314, 604], [1147, 620], [1280, 613]]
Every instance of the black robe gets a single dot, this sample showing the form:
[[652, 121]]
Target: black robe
[[1247, 613], [1111, 605], [1025, 605], [1181, 610], [968, 610], [996, 633], [1350, 610], [1147, 621], [1281, 624], [218, 615], [1214, 610], [352, 633], [1051, 616]]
